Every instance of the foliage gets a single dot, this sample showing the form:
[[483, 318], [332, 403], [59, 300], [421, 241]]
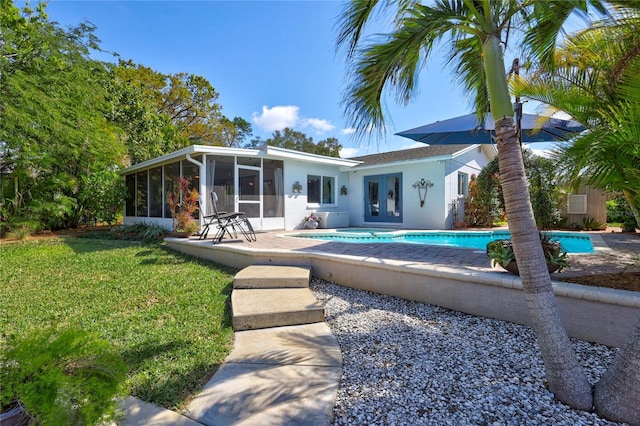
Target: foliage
[[591, 224], [160, 113], [487, 204], [481, 207], [137, 232], [102, 196], [597, 81], [292, 139], [183, 204], [53, 128], [312, 218], [61, 376], [618, 211], [501, 252], [172, 328]]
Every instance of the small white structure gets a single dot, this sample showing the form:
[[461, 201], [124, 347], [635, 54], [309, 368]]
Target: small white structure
[[276, 188]]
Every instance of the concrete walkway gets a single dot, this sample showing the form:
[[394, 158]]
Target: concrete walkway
[[286, 371]]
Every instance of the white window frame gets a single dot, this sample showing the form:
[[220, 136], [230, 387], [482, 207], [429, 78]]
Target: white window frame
[[465, 188], [333, 189]]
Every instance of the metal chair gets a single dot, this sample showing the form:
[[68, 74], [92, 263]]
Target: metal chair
[[227, 223]]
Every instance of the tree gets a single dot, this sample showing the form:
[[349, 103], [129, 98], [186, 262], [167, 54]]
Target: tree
[[476, 32], [292, 139], [160, 113], [53, 102], [235, 131], [488, 200]]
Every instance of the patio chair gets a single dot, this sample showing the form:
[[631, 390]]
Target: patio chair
[[227, 224], [210, 219]]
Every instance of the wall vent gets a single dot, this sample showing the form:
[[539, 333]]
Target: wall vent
[[577, 204]]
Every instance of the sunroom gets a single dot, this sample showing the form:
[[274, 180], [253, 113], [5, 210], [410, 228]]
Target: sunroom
[[274, 187]]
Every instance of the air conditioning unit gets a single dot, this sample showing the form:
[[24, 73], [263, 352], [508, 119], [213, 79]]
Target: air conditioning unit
[[577, 204]]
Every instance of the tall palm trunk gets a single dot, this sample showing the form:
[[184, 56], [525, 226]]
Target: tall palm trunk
[[565, 377], [617, 394], [634, 204]]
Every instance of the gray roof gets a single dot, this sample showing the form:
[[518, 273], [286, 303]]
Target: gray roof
[[409, 154]]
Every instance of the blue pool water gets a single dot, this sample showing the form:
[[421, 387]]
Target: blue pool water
[[572, 242]]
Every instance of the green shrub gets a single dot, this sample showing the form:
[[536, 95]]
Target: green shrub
[[591, 224], [136, 232], [619, 211], [61, 376]]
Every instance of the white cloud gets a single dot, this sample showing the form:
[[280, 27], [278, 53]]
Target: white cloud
[[276, 118], [320, 125], [348, 152], [348, 131]]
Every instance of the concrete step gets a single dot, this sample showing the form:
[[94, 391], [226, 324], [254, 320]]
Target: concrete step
[[264, 308], [272, 276]]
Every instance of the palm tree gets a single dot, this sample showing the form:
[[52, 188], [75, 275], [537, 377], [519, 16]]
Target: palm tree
[[597, 81], [476, 31]]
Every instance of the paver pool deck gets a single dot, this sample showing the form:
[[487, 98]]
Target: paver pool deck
[[615, 251]]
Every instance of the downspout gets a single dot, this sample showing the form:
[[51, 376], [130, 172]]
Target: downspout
[[202, 188]]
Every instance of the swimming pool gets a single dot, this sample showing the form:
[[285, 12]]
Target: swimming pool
[[572, 242]]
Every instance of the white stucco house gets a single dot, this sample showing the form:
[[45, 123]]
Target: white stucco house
[[420, 188]]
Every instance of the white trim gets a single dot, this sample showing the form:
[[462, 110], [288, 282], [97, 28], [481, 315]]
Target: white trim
[[399, 162], [278, 152], [269, 152]]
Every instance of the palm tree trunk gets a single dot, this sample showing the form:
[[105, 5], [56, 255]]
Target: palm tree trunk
[[617, 394], [633, 200], [565, 377]]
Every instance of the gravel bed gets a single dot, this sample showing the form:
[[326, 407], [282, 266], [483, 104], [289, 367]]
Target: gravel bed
[[412, 363]]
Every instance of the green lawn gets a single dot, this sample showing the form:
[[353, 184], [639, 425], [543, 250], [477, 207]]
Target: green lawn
[[167, 314]]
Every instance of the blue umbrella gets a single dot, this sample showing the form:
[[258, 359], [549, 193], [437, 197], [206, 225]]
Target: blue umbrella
[[467, 130]]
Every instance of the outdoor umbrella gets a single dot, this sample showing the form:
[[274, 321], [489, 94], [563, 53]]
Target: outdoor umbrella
[[467, 130]]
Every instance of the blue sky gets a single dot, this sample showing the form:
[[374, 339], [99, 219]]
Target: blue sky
[[272, 62]]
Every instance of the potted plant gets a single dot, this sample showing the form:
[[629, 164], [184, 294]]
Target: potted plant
[[59, 376], [501, 253], [183, 203], [312, 221]]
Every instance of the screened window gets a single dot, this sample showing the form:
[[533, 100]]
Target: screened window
[[321, 189], [130, 204], [171, 183], [141, 194], [155, 192]]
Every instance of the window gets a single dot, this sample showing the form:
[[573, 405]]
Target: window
[[321, 189], [463, 184]]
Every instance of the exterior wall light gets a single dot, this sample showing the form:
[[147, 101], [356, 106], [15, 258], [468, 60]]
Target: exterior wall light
[[297, 187]]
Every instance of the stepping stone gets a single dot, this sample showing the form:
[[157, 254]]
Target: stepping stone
[[264, 308], [272, 276]]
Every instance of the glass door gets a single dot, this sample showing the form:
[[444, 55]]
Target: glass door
[[383, 198]]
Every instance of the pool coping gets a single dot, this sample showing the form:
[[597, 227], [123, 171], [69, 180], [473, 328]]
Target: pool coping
[[595, 314]]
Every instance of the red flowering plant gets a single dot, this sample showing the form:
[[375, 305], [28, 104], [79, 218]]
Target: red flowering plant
[[183, 208]]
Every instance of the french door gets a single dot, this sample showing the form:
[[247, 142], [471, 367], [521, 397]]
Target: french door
[[383, 198]]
